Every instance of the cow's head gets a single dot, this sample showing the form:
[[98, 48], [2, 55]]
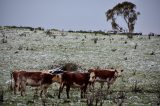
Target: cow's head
[[118, 73], [91, 70], [57, 78], [92, 77]]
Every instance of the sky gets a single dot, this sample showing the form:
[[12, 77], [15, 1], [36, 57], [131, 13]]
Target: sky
[[76, 14]]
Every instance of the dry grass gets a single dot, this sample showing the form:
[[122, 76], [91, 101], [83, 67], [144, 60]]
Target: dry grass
[[139, 57]]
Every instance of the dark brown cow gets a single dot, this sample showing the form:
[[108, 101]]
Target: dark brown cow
[[33, 79], [106, 75], [74, 79]]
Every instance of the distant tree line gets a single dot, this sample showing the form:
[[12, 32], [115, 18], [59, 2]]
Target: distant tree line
[[93, 32], [104, 33], [23, 27]]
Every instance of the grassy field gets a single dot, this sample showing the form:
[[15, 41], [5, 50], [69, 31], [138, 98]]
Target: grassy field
[[138, 57]]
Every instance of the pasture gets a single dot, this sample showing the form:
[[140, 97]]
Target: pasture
[[138, 57]]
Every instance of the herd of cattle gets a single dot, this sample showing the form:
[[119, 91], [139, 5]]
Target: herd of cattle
[[69, 79]]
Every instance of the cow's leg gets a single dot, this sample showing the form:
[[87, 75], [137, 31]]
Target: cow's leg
[[102, 84], [67, 91], [19, 86], [36, 91], [91, 86], [22, 90], [22, 87], [41, 93], [60, 89], [43, 87], [45, 90], [16, 87], [108, 84], [83, 91]]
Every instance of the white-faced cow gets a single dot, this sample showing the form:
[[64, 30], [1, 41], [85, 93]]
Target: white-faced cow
[[33, 79], [104, 75], [74, 79]]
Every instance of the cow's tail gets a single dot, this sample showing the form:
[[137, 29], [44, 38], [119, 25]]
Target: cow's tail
[[11, 85]]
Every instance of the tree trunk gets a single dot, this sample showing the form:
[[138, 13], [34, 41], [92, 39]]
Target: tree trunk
[[129, 34], [129, 31]]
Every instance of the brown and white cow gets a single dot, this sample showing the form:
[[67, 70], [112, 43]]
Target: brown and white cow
[[33, 79], [74, 79], [104, 75]]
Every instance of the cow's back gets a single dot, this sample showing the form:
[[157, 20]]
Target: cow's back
[[76, 77], [105, 74], [81, 77], [36, 76]]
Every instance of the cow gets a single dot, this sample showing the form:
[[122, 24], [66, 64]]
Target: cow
[[104, 75], [74, 79], [33, 79]]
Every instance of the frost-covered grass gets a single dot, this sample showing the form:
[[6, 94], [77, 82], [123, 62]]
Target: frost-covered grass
[[37, 50]]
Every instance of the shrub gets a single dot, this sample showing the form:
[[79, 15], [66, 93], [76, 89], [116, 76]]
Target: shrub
[[135, 87], [130, 36], [70, 67], [20, 47], [152, 53], [23, 34], [135, 47], [96, 99], [4, 40], [1, 94], [39, 28], [65, 66], [95, 40], [48, 32], [113, 50], [125, 42], [119, 99], [134, 72]]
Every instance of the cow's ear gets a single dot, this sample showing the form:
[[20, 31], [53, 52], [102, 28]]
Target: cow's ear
[[122, 70]]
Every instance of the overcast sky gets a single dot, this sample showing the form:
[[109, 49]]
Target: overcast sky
[[75, 14]]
